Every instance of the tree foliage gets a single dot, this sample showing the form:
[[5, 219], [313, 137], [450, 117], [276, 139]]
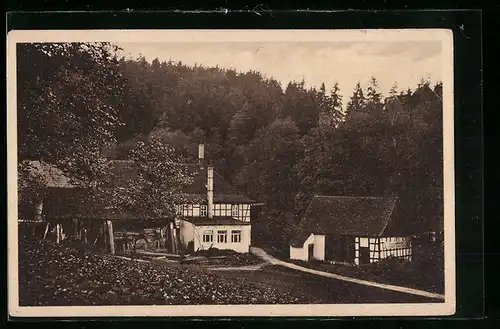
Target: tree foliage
[[69, 97], [278, 144], [155, 188]]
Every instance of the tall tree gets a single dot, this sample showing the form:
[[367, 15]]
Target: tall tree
[[268, 173], [357, 101], [155, 187], [69, 95], [332, 113]]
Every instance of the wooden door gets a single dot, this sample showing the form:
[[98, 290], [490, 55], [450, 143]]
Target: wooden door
[[364, 255], [310, 252]]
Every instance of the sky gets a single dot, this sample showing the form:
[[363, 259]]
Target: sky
[[403, 62]]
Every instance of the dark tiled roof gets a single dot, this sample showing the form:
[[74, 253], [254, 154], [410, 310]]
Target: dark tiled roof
[[231, 198], [200, 180], [51, 176], [124, 172], [85, 203], [343, 215], [222, 220], [218, 198], [80, 203]]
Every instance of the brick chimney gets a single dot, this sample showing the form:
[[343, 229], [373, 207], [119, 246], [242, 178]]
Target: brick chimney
[[201, 155], [210, 191]]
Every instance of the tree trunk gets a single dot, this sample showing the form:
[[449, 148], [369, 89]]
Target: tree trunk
[[105, 238], [39, 211], [111, 237]]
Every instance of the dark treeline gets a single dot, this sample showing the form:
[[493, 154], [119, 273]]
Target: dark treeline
[[278, 145]]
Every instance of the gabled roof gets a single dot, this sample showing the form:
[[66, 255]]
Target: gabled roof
[[80, 203], [345, 215], [123, 171], [219, 198], [50, 175], [65, 202]]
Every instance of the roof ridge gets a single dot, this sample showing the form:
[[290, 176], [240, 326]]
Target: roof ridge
[[353, 197], [389, 215]]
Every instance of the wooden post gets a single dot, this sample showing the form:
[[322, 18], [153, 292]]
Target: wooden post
[[58, 233], [176, 244], [172, 237], [111, 237], [46, 230], [162, 237], [76, 229], [105, 238]]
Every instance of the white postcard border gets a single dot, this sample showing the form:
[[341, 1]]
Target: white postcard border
[[448, 307]]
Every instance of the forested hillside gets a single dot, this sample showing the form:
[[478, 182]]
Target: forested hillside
[[278, 144]]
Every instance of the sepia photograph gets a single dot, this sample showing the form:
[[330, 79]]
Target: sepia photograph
[[230, 173]]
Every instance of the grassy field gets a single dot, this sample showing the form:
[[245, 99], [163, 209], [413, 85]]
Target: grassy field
[[424, 272], [56, 275]]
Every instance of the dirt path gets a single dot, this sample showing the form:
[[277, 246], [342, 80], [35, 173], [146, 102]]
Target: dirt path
[[274, 261], [237, 268]]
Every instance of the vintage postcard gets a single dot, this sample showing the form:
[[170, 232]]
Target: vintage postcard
[[230, 173]]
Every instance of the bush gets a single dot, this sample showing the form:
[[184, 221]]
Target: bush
[[388, 265]]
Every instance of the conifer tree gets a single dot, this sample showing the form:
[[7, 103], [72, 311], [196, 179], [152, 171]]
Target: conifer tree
[[357, 102]]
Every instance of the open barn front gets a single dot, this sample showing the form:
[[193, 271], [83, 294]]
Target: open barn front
[[339, 248]]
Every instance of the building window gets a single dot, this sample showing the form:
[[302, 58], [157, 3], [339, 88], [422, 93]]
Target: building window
[[187, 210], [203, 210], [217, 209], [222, 236], [236, 236], [363, 242], [178, 210], [208, 236], [196, 210], [234, 210]]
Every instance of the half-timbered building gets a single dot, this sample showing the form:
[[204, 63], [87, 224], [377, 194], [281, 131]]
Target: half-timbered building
[[212, 215], [352, 230]]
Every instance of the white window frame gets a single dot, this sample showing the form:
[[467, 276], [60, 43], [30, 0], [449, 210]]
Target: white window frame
[[203, 210], [236, 235], [217, 209], [208, 236], [235, 210], [195, 208], [222, 234]]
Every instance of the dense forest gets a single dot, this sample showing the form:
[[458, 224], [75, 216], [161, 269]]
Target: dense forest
[[79, 104]]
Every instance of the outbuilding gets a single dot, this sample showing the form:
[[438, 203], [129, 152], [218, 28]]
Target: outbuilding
[[350, 229]]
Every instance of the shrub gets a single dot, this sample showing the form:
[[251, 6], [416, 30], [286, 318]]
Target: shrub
[[388, 265]]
